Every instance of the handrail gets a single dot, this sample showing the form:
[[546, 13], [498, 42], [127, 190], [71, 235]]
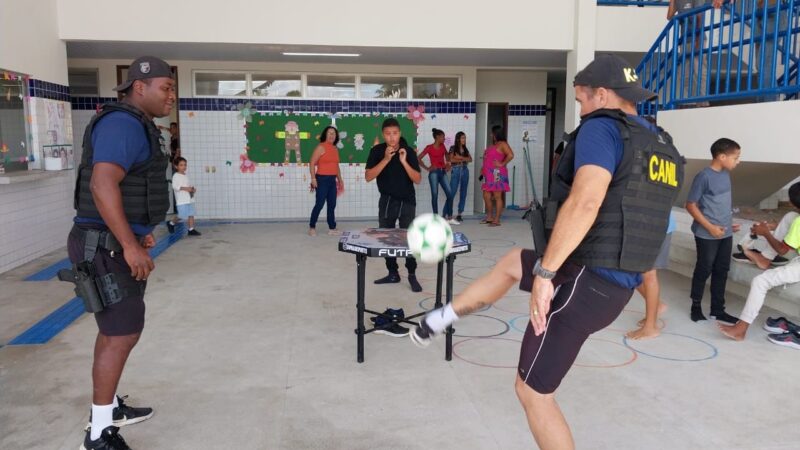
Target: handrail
[[740, 51], [632, 3]]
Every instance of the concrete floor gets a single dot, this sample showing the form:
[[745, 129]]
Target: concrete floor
[[249, 344]]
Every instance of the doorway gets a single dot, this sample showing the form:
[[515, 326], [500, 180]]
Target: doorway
[[487, 116]]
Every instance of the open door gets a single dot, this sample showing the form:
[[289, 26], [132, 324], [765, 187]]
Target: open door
[[481, 136]]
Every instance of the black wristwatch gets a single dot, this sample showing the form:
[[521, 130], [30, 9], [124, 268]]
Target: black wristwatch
[[541, 272]]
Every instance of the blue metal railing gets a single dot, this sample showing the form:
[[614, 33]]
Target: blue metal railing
[[632, 3], [741, 51]]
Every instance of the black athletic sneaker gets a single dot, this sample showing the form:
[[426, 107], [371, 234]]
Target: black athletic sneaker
[[393, 277], [459, 218], [786, 339], [779, 261], [422, 335], [742, 258], [697, 314], [725, 318], [415, 286], [170, 227], [394, 331], [193, 232], [109, 440], [396, 313], [126, 415], [780, 325]]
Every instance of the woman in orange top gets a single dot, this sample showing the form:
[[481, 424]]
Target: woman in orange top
[[326, 178]]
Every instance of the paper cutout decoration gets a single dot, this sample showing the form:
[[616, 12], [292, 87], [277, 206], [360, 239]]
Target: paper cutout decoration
[[358, 141], [291, 137], [416, 114], [342, 137], [228, 163], [246, 112], [433, 116], [191, 114], [245, 165]]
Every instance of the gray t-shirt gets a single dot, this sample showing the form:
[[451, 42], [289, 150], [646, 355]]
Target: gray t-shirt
[[685, 5], [711, 190]]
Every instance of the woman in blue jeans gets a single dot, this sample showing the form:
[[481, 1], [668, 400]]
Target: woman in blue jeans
[[459, 175], [437, 171]]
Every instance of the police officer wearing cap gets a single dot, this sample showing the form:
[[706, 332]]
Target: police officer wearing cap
[[121, 194], [612, 192]]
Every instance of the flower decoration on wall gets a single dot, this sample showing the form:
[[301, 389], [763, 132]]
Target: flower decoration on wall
[[245, 165], [342, 137], [246, 111], [416, 114]]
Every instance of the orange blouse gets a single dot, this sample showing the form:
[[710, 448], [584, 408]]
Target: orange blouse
[[328, 163]]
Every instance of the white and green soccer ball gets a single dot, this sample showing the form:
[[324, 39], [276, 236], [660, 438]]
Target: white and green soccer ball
[[430, 238]]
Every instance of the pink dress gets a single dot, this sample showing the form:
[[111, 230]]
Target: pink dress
[[495, 179]]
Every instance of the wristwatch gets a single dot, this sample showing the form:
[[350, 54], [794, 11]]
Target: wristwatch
[[541, 272]]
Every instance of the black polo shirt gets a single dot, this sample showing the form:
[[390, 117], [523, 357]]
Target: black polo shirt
[[393, 179]]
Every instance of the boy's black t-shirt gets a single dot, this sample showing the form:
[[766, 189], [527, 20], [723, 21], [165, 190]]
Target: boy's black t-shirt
[[393, 179]]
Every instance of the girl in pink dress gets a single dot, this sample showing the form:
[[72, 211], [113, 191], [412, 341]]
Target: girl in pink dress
[[495, 175]]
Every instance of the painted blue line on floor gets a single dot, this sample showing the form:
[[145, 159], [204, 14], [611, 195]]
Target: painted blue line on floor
[[50, 271], [58, 320]]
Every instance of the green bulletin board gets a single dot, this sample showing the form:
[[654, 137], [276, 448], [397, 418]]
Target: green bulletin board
[[267, 143], [266, 136], [360, 133]]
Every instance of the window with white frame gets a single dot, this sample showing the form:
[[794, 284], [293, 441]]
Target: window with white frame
[[435, 87], [276, 85], [326, 86], [220, 84], [331, 86]]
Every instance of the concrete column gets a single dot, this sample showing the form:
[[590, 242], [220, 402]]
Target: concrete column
[[581, 54]]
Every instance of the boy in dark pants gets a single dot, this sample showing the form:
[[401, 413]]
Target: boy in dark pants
[[710, 205], [397, 170]]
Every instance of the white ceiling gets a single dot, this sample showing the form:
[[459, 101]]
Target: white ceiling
[[538, 59]]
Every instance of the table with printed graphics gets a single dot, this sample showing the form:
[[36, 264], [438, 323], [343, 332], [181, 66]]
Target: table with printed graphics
[[391, 243]]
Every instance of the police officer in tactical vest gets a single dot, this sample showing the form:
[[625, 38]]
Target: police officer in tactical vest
[[607, 217], [121, 194]]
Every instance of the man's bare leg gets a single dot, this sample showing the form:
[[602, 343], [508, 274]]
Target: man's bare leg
[[651, 292], [736, 332], [547, 423], [759, 259], [110, 355], [489, 288]]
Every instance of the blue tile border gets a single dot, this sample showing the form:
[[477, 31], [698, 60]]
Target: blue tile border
[[89, 103], [50, 272], [331, 106], [527, 110], [45, 89], [61, 318]]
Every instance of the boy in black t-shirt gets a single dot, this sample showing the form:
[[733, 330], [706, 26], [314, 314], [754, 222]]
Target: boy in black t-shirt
[[397, 170]]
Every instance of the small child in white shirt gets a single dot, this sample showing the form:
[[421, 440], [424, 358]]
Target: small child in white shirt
[[184, 197]]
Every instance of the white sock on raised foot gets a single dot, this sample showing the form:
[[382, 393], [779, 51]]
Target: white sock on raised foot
[[102, 418], [441, 318], [116, 403]]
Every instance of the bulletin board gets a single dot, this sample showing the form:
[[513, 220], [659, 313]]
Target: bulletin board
[[270, 138]]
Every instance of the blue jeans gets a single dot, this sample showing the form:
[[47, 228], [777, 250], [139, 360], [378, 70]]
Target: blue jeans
[[459, 180], [326, 192], [438, 177]]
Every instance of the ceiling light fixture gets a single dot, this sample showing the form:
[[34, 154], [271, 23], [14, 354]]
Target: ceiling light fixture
[[346, 55]]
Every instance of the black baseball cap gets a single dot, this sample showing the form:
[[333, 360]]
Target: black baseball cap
[[143, 68], [613, 72]]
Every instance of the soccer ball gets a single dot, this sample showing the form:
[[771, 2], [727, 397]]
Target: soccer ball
[[430, 238]]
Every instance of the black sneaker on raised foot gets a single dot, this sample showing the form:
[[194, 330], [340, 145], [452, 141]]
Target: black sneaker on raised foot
[[109, 440], [742, 258], [459, 218], [170, 227], [394, 330], [422, 335], [393, 277], [194, 232], [697, 314], [126, 415], [779, 261], [725, 318], [415, 286]]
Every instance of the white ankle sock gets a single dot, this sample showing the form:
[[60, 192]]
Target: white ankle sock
[[102, 417], [190, 229], [441, 318]]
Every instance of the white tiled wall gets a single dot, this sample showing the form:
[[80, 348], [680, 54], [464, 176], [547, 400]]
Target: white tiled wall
[[212, 142], [37, 215]]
